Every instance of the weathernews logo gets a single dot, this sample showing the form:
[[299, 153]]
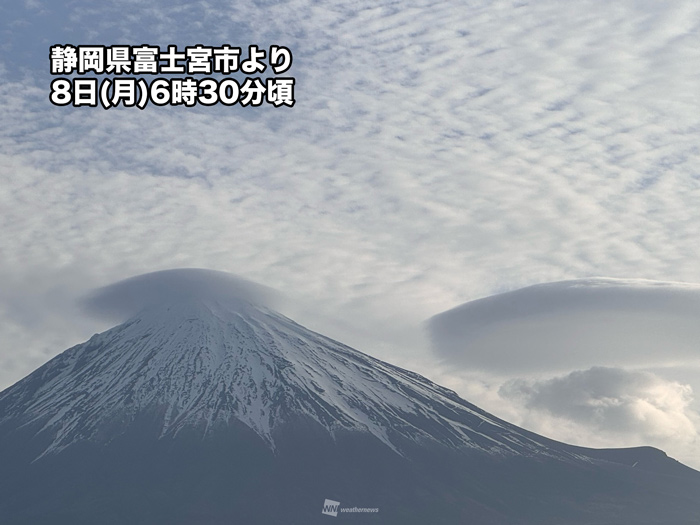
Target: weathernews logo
[[332, 508]]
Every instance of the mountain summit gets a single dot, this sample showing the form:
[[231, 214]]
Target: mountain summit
[[202, 364], [208, 408]]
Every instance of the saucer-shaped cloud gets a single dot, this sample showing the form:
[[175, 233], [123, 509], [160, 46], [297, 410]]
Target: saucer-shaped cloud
[[127, 297], [573, 324]]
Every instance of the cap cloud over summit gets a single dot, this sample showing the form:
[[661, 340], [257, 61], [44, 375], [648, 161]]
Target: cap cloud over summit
[[128, 297]]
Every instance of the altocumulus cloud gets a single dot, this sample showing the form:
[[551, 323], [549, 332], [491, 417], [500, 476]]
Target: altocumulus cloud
[[435, 154]]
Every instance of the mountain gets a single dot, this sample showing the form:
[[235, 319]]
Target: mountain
[[212, 410]]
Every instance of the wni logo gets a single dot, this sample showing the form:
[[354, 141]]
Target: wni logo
[[330, 507]]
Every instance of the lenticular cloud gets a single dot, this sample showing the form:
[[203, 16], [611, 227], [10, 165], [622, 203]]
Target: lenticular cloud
[[573, 324], [125, 298]]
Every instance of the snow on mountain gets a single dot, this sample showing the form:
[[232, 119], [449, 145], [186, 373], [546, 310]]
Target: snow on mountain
[[209, 407], [569, 324], [204, 362]]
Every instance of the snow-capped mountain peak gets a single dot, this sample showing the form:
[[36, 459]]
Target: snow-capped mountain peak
[[207, 405], [207, 362]]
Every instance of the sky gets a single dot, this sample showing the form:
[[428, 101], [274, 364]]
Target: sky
[[437, 153]]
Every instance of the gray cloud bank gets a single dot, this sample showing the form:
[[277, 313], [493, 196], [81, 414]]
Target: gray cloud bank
[[610, 399], [573, 324], [611, 407]]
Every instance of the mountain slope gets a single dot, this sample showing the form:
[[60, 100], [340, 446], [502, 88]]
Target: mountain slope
[[201, 410], [201, 363]]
